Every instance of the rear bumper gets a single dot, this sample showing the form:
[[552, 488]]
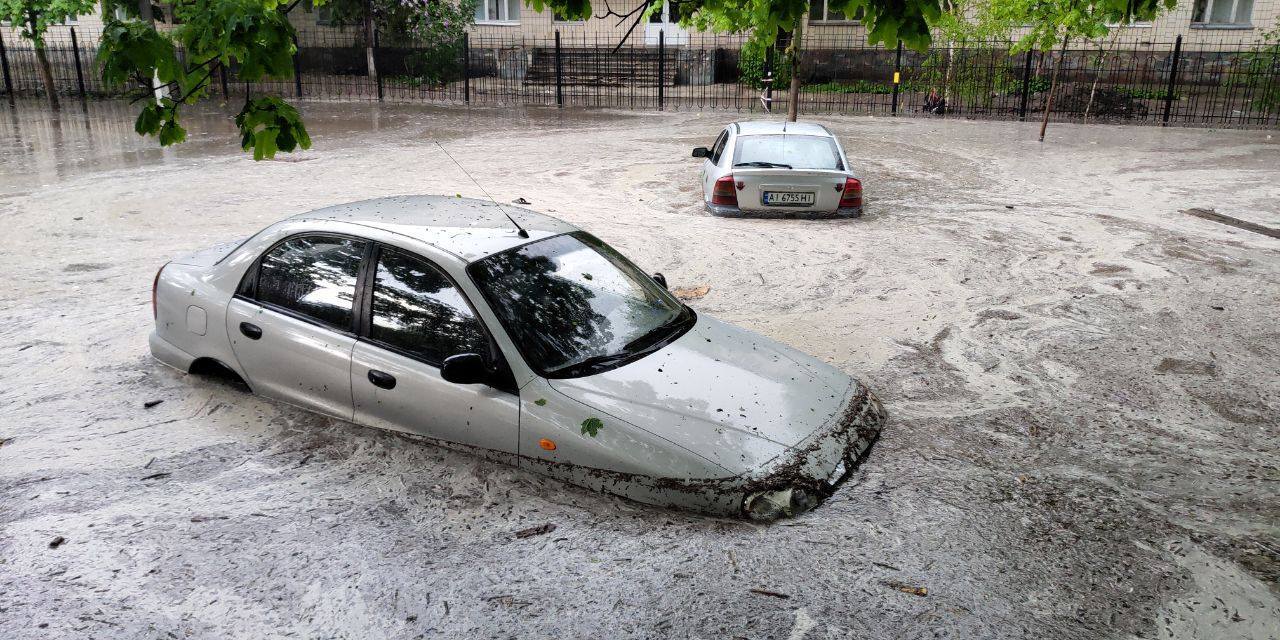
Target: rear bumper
[[727, 211], [165, 352]]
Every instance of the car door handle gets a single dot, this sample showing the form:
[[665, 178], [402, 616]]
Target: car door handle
[[382, 379], [250, 331]]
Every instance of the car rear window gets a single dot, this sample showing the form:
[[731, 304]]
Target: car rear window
[[796, 151]]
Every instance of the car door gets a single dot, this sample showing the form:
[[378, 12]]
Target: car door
[[414, 318], [291, 321], [710, 171]]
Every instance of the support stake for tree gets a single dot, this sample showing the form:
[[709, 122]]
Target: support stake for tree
[[75, 48], [297, 68], [1053, 85], [1026, 88], [1173, 81], [662, 68], [466, 69], [373, 55], [4, 62], [222, 76], [897, 76], [559, 75]]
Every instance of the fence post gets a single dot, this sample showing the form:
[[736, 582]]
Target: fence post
[[297, 68], [1026, 88], [75, 49], [662, 66], [466, 68], [559, 75], [897, 76], [377, 76], [4, 62], [1173, 81]]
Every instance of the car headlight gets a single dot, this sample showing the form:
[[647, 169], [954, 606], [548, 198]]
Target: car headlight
[[780, 503]]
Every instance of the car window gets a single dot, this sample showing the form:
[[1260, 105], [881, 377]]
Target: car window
[[796, 151], [314, 276], [718, 147], [418, 310]]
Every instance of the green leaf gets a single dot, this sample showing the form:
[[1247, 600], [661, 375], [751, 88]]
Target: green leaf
[[541, 402], [591, 426]]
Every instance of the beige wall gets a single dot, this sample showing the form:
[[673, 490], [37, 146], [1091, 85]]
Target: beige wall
[[606, 30]]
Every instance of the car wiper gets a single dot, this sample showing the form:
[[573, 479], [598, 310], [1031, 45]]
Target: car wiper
[[657, 334], [763, 165], [589, 364]]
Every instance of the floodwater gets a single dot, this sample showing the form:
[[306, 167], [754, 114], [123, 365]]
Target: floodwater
[[1084, 438]]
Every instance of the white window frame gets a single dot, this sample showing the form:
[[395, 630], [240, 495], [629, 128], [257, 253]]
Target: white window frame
[[504, 11], [826, 11], [1235, 21]]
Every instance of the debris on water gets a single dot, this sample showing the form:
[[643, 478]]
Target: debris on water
[[771, 594], [78, 218], [149, 463], [1217, 308], [57, 542], [156, 476], [1186, 367], [151, 403], [207, 518], [907, 588], [691, 293], [521, 201], [591, 426], [1008, 206], [539, 530], [885, 566]]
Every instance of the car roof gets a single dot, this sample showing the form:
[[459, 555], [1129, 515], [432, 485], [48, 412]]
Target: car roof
[[465, 227], [775, 127]]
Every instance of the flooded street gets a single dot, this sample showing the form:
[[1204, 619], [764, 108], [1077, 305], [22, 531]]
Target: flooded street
[[1082, 382]]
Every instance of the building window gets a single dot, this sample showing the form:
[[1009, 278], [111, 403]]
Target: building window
[[498, 11], [1222, 12], [823, 11]]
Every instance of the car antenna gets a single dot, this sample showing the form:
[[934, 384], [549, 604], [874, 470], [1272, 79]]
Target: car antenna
[[519, 229]]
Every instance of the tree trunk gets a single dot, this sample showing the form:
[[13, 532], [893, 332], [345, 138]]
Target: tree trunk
[[793, 59], [946, 76], [368, 39], [42, 63], [1097, 75], [1053, 86]]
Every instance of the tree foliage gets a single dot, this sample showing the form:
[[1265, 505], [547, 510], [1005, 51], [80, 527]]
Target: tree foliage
[[408, 20], [34, 17], [1050, 22]]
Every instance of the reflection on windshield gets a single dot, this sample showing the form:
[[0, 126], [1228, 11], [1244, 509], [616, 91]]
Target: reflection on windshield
[[572, 301], [798, 151]]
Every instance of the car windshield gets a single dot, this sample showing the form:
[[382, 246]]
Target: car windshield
[[574, 306], [787, 150]]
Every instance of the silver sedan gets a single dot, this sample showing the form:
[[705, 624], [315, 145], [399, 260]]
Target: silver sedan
[[778, 168], [540, 346]]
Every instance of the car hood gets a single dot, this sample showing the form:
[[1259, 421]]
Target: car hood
[[730, 395]]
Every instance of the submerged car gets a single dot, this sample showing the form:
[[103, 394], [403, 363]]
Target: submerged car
[[538, 345], [778, 168]]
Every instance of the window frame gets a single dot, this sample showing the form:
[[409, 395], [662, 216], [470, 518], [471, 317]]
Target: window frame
[[721, 141], [365, 313], [504, 7], [251, 277], [826, 11], [1206, 21]]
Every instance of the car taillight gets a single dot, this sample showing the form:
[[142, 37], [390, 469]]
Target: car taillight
[[851, 195], [724, 192], [155, 312]]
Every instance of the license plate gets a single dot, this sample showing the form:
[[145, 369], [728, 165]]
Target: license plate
[[789, 198]]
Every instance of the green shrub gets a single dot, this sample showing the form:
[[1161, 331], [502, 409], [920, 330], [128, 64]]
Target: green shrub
[[438, 64], [857, 86], [751, 69]]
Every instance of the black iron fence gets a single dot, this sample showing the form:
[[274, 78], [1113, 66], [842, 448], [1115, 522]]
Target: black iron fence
[[1134, 82]]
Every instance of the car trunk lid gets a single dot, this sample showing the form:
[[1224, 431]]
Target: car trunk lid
[[794, 189]]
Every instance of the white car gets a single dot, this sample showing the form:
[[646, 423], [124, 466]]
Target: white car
[[778, 168], [541, 347]]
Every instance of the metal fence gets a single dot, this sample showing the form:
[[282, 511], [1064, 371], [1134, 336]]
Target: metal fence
[[1134, 82]]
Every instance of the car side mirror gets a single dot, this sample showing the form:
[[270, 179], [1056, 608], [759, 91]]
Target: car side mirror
[[660, 279], [464, 368], [701, 152]]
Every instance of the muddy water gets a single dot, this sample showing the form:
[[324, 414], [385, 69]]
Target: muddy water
[[1082, 381]]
